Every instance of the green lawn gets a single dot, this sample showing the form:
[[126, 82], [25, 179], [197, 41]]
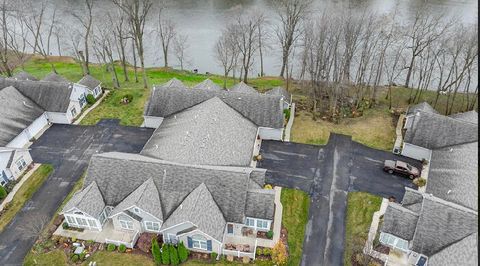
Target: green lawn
[[56, 257], [360, 209], [119, 259], [130, 114], [375, 129], [295, 217], [24, 193]]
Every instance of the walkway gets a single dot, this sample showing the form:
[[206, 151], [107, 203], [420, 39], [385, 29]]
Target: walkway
[[18, 185]]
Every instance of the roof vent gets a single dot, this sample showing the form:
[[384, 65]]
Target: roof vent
[[450, 150], [181, 206], [24, 103], [449, 191]]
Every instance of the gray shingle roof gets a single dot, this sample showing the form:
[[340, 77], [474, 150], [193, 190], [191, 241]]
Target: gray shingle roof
[[54, 77], [119, 174], [210, 133], [412, 200], [243, 88], [464, 252], [280, 91], [17, 112], [88, 200], [399, 221], [199, 208], [174, 83], [263, 110], [89, 82], [51, 96], [423, 107], [144, 197], [433, 131], [453, 174], [441, 224], [470, 116], [207, 85], [260, 203], [22, 75]]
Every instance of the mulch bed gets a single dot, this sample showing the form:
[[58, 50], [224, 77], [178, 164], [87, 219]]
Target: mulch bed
[[382, 249]]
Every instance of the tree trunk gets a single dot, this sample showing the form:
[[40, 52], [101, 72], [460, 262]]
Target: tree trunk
[[409, 73], [284, 62], [134, 60]]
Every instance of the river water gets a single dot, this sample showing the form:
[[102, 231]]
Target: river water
[[203, 20]]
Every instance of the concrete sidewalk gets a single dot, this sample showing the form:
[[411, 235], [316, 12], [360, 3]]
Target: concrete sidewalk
[[91, 108]]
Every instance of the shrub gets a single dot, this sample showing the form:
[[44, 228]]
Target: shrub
[[75, 258], [182, 252], [174, 256], [165, 255], [267, 252], [157, 255], [3, 192], [420, 182], [259, 251], [122, 248], [65, 226], [111, 247], [286, 113], [270, 234], [10, 185], [268, 186], [82, 255], [144, 242], [74, 239], [213, 256], [279, 253], [91, 99]]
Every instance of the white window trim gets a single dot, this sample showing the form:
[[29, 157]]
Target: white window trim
[[21, 163], [152, 223], [396, 241], [126, 223], [255, 223], [200, 242]]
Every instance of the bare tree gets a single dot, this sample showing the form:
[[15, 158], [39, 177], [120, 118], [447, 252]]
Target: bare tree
[[290, 13], [226, 53], [424, 30], [180, 46], [5, 16], [245, 31], [262, 36], [18, 37], [34, 20], [104, 41], [137, 13], [166, 32], [44, 39], [121, 36], [86, 20]]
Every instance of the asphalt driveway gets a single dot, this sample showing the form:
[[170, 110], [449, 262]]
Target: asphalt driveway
[[328, 173], [68, 148]]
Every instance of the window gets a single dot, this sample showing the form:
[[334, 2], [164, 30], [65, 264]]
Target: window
[[103, 216], [171, 238], [394, 241], [262, 224], [70, 220], [198, 243], [82, 100], [230, 228], [81, 221], [73, 111], [21, 164], [126, 224], [92, 223], [250, 222], [152, 226]]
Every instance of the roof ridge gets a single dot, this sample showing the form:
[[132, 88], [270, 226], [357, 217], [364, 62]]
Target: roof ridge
[[448, 203], [237, 169], [448, 117]]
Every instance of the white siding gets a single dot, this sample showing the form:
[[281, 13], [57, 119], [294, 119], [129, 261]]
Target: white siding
[[117, 224], [270, 133], [58, 118], [415, 152], [408, 121], [20, 154], [152, 121], [37, 125], [216, 246], [20, 140]]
